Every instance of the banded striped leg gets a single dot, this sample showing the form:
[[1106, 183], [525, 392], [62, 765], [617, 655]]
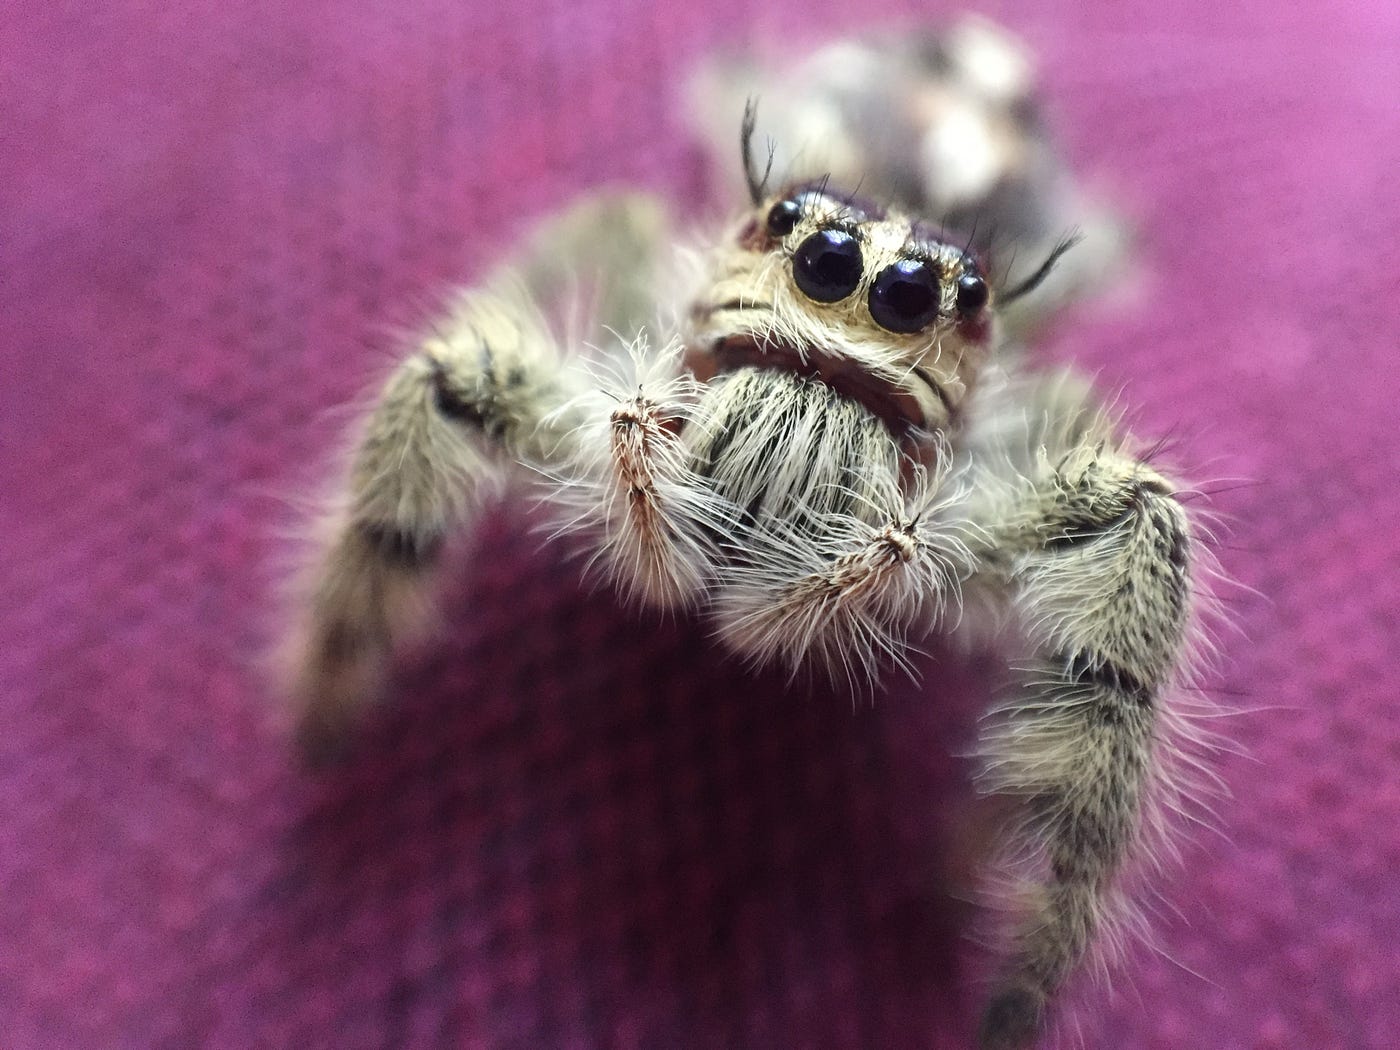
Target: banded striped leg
[[479, 388], [1100, 569]]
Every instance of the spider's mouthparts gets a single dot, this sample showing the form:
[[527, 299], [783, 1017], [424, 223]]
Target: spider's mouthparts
[[893, 404]]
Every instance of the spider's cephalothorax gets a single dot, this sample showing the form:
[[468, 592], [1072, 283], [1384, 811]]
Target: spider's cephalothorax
[[870, 302], [821, 461]]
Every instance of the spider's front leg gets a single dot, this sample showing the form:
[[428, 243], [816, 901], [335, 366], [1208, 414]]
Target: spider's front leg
[[1097, 551], [486, 389], [483, 387]]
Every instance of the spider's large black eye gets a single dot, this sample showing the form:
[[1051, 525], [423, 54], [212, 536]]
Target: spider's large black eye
[[827, 265], [972, 292], [782, 217], [905, 296]]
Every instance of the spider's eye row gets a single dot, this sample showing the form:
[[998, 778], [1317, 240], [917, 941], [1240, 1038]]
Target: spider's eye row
[[783, 217], [972, 292], [827, 266], [906, 296]]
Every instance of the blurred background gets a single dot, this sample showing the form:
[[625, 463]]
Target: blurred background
[[578, 828]]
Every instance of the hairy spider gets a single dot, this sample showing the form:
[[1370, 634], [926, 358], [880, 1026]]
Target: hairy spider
[[827, 461]]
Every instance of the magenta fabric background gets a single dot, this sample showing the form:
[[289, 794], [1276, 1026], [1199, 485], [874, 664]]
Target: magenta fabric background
[[579, 829]]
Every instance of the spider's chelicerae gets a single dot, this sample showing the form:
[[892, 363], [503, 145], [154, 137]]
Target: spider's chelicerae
[[828, 462]]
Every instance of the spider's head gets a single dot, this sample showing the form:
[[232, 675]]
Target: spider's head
[[873, 303]]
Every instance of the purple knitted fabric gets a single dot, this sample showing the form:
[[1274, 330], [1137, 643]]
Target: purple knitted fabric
[[577, 827]]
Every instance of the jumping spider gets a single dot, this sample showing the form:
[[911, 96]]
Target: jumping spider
[[829, 463]]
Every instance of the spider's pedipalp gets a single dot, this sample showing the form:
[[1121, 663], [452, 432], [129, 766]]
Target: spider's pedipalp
[[847, 603], [482, 382], [843, 544], [629, 480]]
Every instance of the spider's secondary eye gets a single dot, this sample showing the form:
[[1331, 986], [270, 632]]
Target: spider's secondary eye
[[782, 217], [905, 296], [827, 266], [972, 293]]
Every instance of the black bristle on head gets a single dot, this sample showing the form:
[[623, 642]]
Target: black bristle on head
[[757, 186], [1035, 280]]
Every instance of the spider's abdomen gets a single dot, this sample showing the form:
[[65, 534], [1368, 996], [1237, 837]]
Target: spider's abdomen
[[783, 446]]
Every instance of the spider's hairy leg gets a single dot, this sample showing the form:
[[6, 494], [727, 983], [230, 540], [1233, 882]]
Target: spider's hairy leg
[[603, 255], [480, 387], [1098, 554]]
